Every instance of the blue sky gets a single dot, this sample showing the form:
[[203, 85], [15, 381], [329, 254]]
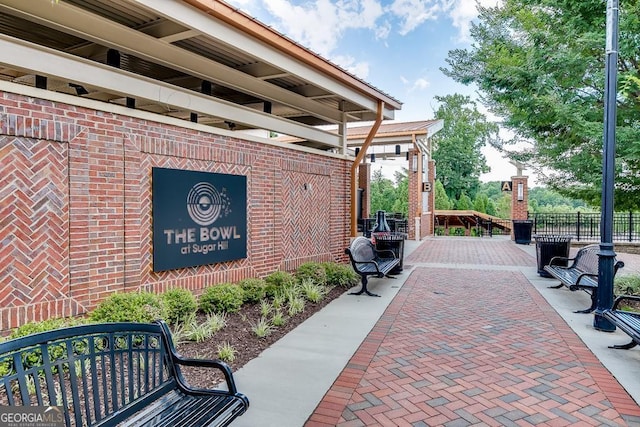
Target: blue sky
[[398, 46]]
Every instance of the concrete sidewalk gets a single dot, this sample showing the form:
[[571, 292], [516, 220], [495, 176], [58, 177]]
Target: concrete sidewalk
[[340, 367]]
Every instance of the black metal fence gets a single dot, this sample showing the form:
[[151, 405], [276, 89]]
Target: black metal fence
[[586, 226]]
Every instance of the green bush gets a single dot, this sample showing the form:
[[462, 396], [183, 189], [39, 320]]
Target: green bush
[[312, 271], [340, 275], [626, 285], [254, 289], [179, 304], [34, 358], [222, 298], [44, 326], [129, 307], [278, 282]]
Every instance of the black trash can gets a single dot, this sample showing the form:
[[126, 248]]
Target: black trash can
[[522, 231], [391, 241], [549, 246]]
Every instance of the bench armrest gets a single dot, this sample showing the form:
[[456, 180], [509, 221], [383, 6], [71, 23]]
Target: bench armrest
[[178, 361], [585, 275], [621, 298]]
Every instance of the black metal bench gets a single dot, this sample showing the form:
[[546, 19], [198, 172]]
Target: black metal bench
[[581, 274], [367, 261], [115, 374], [627, 321]]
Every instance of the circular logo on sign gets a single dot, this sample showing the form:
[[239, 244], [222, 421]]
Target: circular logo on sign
[[204, 203]]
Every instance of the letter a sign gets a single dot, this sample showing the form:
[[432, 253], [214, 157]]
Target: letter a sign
[[506, 186]]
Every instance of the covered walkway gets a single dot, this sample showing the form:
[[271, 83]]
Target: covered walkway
[[469, 335]]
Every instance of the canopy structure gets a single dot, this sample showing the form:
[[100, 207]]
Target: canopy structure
[[197, 60], [395, 140]]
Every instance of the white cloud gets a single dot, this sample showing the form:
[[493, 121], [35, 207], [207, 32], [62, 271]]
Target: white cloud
[[464, 12], [420, 84], [319, 24], [413, 13], [417, 85], [360, 69]]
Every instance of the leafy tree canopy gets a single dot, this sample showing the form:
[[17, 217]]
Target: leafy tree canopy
[[539, 65], [459, 161]]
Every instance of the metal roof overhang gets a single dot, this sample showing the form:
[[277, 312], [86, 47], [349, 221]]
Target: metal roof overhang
[[418, 135], [169, 50]]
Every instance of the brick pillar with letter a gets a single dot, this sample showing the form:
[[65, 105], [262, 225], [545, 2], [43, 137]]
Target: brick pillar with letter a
[[519, 197]]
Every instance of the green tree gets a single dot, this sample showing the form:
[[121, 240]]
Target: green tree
[[441, 199], [401, 203], [481, 202], [539, 65], [464, 203], [503, 206], [458, 145], [383, 193]]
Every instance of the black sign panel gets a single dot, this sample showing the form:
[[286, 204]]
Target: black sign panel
[[198, 218], [506, 185]]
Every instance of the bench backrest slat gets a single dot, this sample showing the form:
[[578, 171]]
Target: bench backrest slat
[[98, 372], [587, 259], [362, 250]]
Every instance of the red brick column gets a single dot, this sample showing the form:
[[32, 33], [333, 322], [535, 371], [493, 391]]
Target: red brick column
[[519, 198], [415, 195], [429, 217], [364, 182]]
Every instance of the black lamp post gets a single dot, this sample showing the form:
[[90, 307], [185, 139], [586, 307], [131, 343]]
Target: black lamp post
[[607, 254]]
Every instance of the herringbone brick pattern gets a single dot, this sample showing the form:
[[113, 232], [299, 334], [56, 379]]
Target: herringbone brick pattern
[[461, 347], [305, 215], [34, 221]]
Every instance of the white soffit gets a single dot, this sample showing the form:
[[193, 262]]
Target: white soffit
[[28, 56]]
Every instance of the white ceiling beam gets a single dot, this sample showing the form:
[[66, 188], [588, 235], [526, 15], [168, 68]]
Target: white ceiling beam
[[83, 24], [40, 60], [193, 18]]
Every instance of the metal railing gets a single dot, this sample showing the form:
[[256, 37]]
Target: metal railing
[[586, 226]]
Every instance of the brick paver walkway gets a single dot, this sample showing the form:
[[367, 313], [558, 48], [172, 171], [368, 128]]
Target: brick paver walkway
[[473, 346]]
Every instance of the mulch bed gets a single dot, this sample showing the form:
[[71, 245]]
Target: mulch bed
[[248, 345]]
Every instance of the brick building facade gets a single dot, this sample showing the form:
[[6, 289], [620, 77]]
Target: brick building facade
[[76, 211]]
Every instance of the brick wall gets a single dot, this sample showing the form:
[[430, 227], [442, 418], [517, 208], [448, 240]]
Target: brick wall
[[519, 208], [75, 198], [364, 182]]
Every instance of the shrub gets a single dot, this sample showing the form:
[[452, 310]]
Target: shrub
[[44, 326], [265, 307], [34, 357], [296, 305], [226, 352], [179, 305], [129, 307], [262, 328], [278, 319], [340, 275], [312, 271], [222, 298], [313, 292], [254, 289], [278, 282], [627, 285]]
